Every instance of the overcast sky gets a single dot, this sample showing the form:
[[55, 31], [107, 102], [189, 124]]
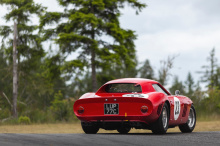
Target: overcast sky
[[188, 28]]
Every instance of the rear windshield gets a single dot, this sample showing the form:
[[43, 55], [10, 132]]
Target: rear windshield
[[123, 88]]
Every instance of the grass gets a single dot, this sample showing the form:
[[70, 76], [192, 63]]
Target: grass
[[76, 128]]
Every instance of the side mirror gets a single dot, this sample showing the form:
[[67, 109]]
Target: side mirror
[[177, 92]]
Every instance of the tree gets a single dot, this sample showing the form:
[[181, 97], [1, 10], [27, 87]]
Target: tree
[[177, 85], [217, 77], [81, 84], [164, 71], [5, 82], [146, 71], [60, 107], [189, 84], [197, 96], [15, 72], [26, 44], [88, 25], [209, 74]]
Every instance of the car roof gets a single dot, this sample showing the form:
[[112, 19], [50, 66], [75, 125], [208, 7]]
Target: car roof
[[132, 80]]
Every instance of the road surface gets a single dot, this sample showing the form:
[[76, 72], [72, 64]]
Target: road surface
[[108, 139]]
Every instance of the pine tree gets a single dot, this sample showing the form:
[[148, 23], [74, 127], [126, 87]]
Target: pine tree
[[217, 77], [146, 71], [189, 84], [209, 74], [5, 82], [93, 27], [177, 85], [28, 44]]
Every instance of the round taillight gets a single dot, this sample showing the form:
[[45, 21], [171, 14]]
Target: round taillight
[[80, 110], [144, 109]]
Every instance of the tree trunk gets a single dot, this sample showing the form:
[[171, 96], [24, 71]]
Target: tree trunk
[[15, 73], [94, 81]]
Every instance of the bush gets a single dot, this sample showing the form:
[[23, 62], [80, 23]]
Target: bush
[[5, 113], [40, 116], [24, 120], [60, 107]]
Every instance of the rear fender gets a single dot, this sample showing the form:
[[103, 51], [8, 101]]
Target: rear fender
[[158, 99], [185, 104], [88, 95]]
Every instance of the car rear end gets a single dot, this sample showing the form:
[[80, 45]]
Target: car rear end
[[113, 109], [111, 112], [116, 104]]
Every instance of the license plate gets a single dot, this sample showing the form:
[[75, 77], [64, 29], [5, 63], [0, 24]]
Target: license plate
[[111, 109]]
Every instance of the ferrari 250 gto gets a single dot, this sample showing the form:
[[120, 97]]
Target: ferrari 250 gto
[[138, 103]]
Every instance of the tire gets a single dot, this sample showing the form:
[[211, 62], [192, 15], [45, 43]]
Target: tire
[[191, 123], [124, 129], [161, 125], [89, 129]]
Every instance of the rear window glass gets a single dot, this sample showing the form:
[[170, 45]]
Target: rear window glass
[[123, 88]]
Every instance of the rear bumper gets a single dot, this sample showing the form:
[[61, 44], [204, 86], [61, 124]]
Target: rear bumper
[[113, 125], [118, 118]]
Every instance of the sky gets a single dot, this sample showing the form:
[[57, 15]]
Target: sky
[[188, 29]]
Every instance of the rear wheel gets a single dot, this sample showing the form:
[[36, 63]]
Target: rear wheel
[[124, 129], [161, 125], [191, 123], [89, 128]]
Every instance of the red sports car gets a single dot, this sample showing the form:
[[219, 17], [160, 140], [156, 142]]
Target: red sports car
[[128, 103]]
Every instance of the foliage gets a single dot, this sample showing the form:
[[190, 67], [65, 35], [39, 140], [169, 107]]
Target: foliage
[[29, 44], [146, 71], [29, 51], [50, 81], [207, 102], [24, 120], [60, 107], [177, 85], [5, 83], [211, 71], [87, 25], [189, 84], [164, 71], [42, 74], [5, 113]]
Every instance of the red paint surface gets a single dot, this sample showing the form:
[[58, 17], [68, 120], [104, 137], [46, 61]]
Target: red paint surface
[[130, 107]]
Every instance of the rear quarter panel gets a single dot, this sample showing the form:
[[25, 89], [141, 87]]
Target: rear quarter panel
[[185, 104], [158, 99]]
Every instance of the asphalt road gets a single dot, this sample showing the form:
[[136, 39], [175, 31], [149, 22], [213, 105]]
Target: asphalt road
[[175, 139]]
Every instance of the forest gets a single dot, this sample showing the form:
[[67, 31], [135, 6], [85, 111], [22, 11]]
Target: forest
[[75, 51]]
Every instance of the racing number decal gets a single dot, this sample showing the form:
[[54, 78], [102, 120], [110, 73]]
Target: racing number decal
[[176, 108]]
